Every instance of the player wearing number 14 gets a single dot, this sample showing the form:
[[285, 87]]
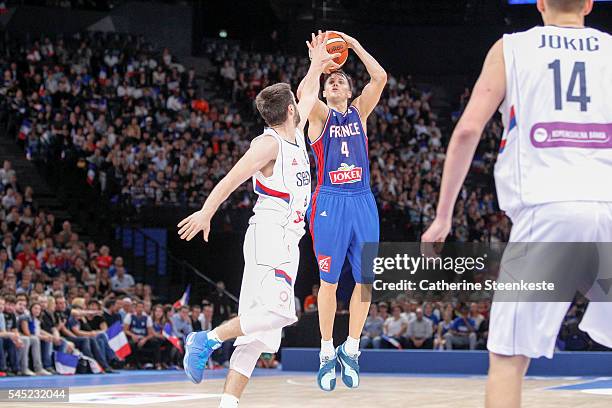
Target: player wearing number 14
[[553, 87]]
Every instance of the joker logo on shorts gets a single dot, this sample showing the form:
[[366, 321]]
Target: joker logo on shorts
[[324, 262]]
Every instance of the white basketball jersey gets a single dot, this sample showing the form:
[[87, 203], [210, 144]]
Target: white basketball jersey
[[557, 116], [284, 196]]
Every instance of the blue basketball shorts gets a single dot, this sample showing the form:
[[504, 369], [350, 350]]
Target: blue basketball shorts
[[340, 223]]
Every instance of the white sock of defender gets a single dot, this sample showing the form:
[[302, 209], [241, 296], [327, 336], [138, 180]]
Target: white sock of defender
[[351, 346], [327, 348], [228, 401], [212, 335]]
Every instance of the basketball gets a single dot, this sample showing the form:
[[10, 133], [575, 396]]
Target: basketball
[[336, 44]]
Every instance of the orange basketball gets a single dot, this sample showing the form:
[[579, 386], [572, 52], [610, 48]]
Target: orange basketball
[[336, 44]]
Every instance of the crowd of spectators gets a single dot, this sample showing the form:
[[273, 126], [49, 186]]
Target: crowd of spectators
[[60, 294], [405, 323], [125, 112]]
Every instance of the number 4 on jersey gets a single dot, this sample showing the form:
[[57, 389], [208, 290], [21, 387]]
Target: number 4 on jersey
[[344, 149], [578, 73]]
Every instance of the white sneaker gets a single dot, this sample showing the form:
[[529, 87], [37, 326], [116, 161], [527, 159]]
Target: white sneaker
[[42, 371], [28, 373]]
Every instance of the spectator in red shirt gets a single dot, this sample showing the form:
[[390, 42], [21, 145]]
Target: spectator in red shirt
[[104, 259], [28, 255], [310, 303]]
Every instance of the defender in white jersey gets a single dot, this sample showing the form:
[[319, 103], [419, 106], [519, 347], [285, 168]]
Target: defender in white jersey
[[278, 163], [554, 84]]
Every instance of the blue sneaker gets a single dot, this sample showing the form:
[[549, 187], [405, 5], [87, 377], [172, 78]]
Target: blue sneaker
[[326, 378], [349, 366], [198, 349]]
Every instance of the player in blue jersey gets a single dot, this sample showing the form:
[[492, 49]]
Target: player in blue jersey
[[343, 213]]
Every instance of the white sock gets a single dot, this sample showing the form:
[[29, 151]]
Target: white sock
[[327, 348], [212, 335], [351, 346], [228, 401]]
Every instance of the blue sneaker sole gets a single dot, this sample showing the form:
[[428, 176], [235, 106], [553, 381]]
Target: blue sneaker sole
[[345, 378], [186, 360]]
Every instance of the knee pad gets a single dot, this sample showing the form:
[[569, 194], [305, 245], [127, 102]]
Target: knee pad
[[260, 320], [244, 358]]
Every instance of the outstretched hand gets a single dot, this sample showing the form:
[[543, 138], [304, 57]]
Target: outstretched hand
[[196, 222], [432, 239], [350, 41], [317, 51]]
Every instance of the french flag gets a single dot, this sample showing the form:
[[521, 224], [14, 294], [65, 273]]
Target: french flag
[[66, 364], [25, 129], [118, 341], [94, 366], [167, 333], [91, 174], [184, 300]]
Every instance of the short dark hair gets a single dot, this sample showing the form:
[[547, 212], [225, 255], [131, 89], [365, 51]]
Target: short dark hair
[[272, 103], [93, 301], [342, 73], [567, 6]]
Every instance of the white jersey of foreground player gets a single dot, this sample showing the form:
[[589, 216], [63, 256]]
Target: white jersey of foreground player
[[271, 251], [285, 195], [557, 116], [551, 173]]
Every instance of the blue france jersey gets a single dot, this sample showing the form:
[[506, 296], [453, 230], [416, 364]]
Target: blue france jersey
[[341, 152]]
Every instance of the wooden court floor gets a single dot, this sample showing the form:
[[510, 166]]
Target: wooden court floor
[[375, 391]]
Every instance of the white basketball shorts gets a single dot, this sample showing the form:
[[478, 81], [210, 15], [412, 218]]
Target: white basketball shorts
[[531, 328], [270, 269]]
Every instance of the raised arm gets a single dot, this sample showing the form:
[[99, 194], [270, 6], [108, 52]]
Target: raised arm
[[367, 101], [262, 151], [318, 113], [308, 91], [488, 93]]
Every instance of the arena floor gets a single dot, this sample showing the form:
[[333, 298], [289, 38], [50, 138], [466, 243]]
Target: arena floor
[[274, 388]]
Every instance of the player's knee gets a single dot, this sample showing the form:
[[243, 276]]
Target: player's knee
[[328, 286], [508, 365], [244, 358]]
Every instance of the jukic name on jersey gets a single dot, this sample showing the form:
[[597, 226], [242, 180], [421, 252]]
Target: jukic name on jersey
[[575, 44]]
